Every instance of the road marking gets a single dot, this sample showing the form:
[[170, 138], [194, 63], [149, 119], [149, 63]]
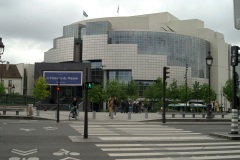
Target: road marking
[[50, 128], [24, 153], [69, 158], [130, 138], [165, 145], [62, 152], [27, 130]]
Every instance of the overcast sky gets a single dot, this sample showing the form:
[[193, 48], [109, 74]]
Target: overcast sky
[[28, 27]]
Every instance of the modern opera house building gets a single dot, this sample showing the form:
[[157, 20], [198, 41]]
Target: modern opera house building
[[138, 47]]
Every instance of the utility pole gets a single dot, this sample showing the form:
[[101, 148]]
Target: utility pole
[[234, 63], [85, 136]]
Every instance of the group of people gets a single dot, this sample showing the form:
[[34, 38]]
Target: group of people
[[124, 106]]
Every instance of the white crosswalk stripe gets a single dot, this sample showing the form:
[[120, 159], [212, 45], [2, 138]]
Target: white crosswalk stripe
[[173, 150], [154, 142], [139, 132]]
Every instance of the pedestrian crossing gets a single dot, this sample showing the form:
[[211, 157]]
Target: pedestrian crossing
[[139, 132], [172, 151], [157, 142]]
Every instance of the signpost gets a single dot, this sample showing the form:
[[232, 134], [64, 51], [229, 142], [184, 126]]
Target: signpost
[[67, 78]]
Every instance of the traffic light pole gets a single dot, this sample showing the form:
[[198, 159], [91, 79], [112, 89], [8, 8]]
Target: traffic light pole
[[234, 125], [85, 136], [234, 63], [164, 93]]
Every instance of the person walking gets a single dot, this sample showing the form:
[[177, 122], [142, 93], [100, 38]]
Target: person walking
[[110, 107]]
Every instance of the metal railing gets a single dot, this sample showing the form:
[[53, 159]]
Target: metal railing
[[11, 99]]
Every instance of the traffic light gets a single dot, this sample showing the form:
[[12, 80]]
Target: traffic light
[[88, 85], [165, 73], [58, 88], [234, 55]]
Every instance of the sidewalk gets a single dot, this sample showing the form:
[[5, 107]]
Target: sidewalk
[[104, 116]]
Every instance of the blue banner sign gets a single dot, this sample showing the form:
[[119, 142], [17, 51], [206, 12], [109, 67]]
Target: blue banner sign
[[64, 78]]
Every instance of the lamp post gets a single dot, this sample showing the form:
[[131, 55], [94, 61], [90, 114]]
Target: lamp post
[[209, 61]]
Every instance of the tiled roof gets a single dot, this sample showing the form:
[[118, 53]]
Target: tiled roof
[[12, 71]]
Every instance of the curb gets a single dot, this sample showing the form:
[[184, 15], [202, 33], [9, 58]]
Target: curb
[[226, 135]]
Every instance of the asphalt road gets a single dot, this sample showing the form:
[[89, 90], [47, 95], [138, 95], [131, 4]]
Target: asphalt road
[[48, 140], [45, 140]]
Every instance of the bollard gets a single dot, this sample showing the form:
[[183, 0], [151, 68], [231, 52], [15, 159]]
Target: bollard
[[203, 116], [129, 115], [183, 115], [38, 113], [193, 116], [146, 114], [94, 114]]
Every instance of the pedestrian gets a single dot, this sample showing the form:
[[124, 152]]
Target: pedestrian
[[110, 107], [74, 105]]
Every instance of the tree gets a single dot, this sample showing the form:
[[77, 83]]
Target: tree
[[173, 92], [96, 94], [154, 93], [2, 89], [182, 93], [196, 91], [132, 90], [40, 89], [227, 89], [204, 93]]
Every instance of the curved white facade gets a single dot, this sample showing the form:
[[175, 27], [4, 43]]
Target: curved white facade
[[140, 46]]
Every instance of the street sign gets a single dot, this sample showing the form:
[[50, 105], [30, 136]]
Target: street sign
[[65, 78], [236, 7]]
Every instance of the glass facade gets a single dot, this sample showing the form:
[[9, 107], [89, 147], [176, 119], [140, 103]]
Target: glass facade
[[121, 76], [179, 49], [116, 48], [95, 28]]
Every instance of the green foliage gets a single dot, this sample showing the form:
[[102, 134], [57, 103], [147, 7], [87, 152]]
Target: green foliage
[[195, 91], [132, 90], [204, 93], [182, 93], [173, 91], [40, 89], [154, 93], [112, 89], [227, 89], [96, 94], [2, 89]]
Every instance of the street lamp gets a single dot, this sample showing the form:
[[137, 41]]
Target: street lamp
[[1, 47], [209, 61]]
